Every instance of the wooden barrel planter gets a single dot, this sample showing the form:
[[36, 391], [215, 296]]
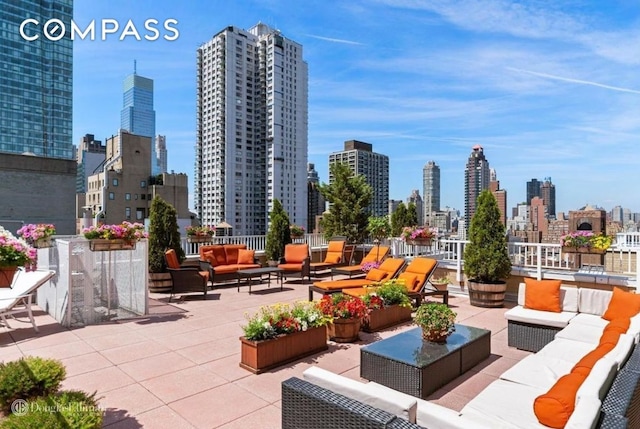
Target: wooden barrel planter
[[488, 295], [160, 282], [344, 330]]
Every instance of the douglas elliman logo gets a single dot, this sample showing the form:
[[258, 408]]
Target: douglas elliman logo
[[54, 29]]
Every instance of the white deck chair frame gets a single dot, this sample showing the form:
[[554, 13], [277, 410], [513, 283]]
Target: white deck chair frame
[[18, 298]]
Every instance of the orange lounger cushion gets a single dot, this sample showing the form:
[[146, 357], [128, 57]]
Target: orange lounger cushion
[[343, 284]]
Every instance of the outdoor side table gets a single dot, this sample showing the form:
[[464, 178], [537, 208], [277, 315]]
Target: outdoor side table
[[409, 364]]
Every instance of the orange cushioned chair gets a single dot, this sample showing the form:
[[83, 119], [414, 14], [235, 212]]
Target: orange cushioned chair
[[185, 279], [389, 268], [296, 260], [416, 278], [376, 254], [335, 255]]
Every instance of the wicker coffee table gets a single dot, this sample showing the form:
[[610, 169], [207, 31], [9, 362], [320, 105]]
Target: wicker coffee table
[[409, 364]]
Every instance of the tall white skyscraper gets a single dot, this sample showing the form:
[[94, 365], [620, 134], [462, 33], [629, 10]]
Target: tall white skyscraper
[[252, 126], [431, 191], [161, 153], [476, 179]]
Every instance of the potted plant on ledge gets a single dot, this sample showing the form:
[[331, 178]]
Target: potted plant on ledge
[[281, 333], [37, 235], [418, 236], [14, 253], [486, 257]]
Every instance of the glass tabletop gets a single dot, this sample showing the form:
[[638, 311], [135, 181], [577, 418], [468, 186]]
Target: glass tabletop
[[409, 347]]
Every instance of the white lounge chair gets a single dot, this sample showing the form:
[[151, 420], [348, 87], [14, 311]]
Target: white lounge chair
[[18, 298]]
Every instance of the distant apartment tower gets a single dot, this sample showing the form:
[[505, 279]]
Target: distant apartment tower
[[315, 202], [252, 129], [37, 155], [500, 194], [476, 179], [161, 151], [548, 194], [416, 199], [362, 160], [431, 191], [90, 156], [533, 190], [137, 115], [392, 206]]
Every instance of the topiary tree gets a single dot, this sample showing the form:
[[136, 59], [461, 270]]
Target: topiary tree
[[486, 257], [378, 227], [163, 234], [279, 233], [349, 196]]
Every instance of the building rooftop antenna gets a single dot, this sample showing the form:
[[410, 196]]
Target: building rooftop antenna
[[135, 67]]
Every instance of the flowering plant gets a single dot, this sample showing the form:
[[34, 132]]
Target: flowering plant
[[296, 230], [368, 266], [390, 292], [274, 320], [414, 232], [32, 232], [201, 231], [15, 252], [340, 306], [586, 239], [126, 230], [436, 318]]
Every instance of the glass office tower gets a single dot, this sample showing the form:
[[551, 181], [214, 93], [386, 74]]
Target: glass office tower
[[36, 81]]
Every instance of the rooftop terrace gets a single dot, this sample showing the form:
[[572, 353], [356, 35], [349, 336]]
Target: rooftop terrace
[[178, 367]]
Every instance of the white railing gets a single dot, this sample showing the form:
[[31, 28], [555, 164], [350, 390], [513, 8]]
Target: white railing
[[627, 240], [621, 259]]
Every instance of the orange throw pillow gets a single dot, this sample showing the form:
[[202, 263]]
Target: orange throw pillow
[[376, 275], [332, 258], [409, 280], [554, 408], [622, 305], [543, 295], [246, 256], [587, 362]]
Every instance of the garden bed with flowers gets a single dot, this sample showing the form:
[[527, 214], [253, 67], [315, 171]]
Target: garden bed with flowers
[[282, 333]]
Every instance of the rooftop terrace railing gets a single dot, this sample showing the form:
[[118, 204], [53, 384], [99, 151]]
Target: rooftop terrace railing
[[620, 260]]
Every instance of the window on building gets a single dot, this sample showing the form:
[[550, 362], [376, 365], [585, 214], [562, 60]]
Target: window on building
[[139, 213], [127, 196], [112, 196], [143, 183], [127, 213], [115, 182]]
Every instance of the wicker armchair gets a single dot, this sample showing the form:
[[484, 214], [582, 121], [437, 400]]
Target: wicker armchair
[[185, 279]]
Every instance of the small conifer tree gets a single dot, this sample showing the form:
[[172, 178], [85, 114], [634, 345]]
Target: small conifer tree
[[279, 233], [163, 234]]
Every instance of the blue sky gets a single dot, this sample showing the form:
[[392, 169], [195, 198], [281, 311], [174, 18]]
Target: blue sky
[[549, 89]]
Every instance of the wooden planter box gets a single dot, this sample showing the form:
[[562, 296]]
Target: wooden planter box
[[386, 317], [100, 244], [199, 238], [260, 356]]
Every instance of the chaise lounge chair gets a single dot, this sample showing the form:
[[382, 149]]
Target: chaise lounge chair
[[376, 254], [389, 268], [416, 278], [335, 256], [185, 279], [18, 298]]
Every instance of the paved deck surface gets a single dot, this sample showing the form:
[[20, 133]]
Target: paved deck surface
[[178, 368]]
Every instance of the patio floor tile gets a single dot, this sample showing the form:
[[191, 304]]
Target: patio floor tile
[[134, 399], [179, 384]]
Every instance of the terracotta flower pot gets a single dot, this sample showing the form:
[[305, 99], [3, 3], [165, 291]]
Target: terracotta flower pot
[[6, 275]]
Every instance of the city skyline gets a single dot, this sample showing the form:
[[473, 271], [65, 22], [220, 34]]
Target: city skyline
[[548, 92]]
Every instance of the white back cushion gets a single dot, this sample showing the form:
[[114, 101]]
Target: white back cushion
[[389, 400], [568, 297], [597, 383], [593, 301]]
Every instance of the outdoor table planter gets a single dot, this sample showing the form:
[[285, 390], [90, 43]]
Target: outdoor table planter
[[260, 356], [386, 317]]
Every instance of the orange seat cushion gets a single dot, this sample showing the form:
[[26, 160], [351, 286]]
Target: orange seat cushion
[[336, 246], [291, 267], [172, 259], [391, 266], [618, 325], [587, 362], [555, 407], [376, 275], [246, 256], [333, 257], [376, 254], [343, 284], [225, 269], [296, 253], [622, 305], [408, 279], [231, 252], [543, 295]]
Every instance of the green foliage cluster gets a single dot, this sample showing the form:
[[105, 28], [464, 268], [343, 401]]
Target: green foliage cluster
[[164, 234], [394, 292], [486, 257], [29, 377], [378, 227], [349, 197], [36, 381], [434, 316], [63, 410], [403, 216], [279, 234]]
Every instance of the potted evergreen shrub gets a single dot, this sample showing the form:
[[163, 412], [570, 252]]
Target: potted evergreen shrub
[[279, 234], [486, 257], [163, 235]]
